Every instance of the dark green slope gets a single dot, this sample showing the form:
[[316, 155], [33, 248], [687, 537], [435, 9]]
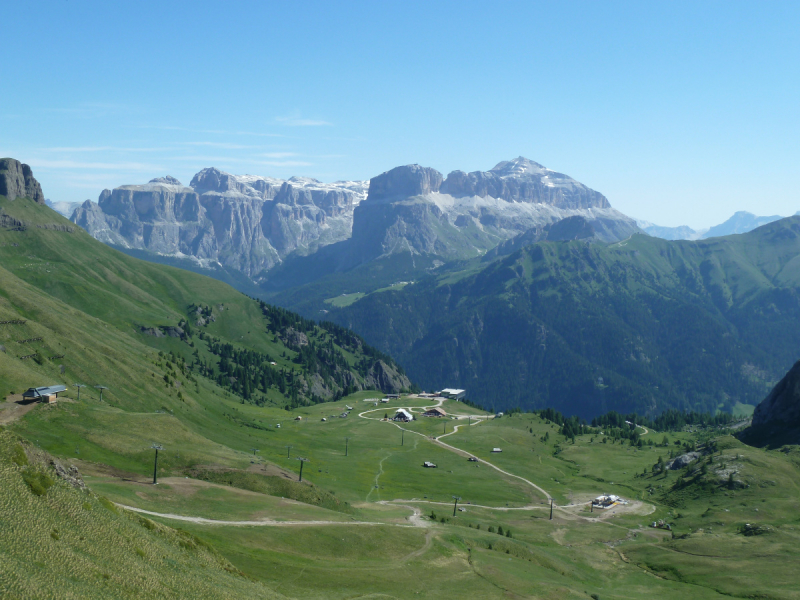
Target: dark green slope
[[642, 325]]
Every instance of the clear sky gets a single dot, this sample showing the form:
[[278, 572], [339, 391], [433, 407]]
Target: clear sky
[[679, 112]]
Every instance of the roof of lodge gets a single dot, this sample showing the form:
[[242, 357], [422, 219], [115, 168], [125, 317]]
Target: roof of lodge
[[44, 391]]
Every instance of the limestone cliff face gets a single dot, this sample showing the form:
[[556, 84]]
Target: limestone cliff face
[[412, 208], [404, 182], [17, 181], [246, 223], [522, 180], [252, 224]]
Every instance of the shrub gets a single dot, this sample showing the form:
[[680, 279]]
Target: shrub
[[107, 504], [491, 529], [18, 456], [500, 530], [508, 533], [38, 481]]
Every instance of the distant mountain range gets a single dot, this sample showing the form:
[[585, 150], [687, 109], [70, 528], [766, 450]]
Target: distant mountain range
[[740, 222], [262, 232]]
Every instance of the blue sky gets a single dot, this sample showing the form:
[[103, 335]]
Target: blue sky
[[679, 112]]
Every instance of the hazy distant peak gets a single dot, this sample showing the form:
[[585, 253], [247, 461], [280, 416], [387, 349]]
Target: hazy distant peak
[[518, 166], [168, 180]]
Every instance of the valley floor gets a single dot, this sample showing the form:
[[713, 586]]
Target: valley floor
[[399, 538]]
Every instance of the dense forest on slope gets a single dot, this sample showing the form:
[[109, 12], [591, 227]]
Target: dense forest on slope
[[643, 325]]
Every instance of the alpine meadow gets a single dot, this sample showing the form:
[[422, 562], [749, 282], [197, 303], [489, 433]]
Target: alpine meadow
[[399, 300]]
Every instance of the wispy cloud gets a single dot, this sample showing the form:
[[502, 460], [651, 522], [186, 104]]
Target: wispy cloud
[[99, 149], [294, 120], [74, 164], [277, 154], [229, 161], [212, 131], [223, 145]]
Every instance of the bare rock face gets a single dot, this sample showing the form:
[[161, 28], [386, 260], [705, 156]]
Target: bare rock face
[[522, 180], [17, 181], [243, 222], [385, 378], [404, 182], [782, 405]]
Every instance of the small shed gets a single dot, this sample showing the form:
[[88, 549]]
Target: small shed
[[428, 465], [496, 450], [403, 415], [47, 394], [434, 412]]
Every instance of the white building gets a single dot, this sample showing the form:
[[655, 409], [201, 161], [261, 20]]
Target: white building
[[453, 394], [402, 415]]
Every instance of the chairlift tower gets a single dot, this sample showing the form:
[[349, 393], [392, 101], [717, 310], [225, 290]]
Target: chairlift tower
[[455, 504], [79, 386], [302, 460], [156, 447], [288, 451], [101, 388]]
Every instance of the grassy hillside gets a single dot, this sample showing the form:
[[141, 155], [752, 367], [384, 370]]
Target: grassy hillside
[[58, 277], [57, 541], [642, 325]]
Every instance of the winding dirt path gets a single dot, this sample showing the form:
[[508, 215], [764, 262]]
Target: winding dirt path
[[259, 523]]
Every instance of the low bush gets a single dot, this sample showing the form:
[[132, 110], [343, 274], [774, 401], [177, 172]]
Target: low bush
[[38, 481]]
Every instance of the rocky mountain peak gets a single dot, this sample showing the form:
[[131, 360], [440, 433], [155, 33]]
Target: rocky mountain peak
[[17, 181], [405, 181], [167, 180], [518, 166]]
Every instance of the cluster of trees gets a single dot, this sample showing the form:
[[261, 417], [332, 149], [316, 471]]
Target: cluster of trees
[[669, 420], [251, 375]]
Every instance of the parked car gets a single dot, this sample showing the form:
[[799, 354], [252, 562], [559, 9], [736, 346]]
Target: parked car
[[428, 465], [472, 459]]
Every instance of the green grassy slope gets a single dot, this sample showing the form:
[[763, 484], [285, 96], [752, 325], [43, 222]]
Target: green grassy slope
[[692, 325], [70, 544], [128, 294]]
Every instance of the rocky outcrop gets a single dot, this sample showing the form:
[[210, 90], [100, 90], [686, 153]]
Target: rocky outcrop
[[684, 460], [293, 338], [17, 181], [70, 474], [776, 420], [386, 378], [782, 405]]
